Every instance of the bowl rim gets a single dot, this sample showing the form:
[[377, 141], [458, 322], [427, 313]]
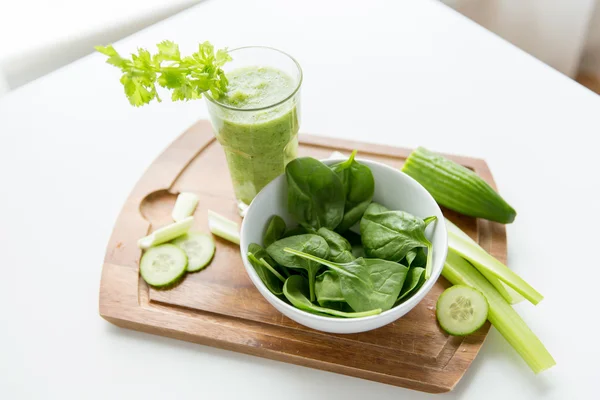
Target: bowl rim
[[407, 306]]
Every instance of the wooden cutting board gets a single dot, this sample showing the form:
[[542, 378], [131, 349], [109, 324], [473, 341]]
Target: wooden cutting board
[[220, 307]]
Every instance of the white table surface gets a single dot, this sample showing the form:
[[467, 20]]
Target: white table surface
[[404, 73]]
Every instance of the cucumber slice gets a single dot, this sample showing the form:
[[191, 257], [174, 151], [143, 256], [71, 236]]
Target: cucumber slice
[[198, 247], [223, 227], [185, 205], [166, 233], [163, 265], [461, 310]]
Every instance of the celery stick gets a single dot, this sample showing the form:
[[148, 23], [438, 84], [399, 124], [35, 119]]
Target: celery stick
[[185, 205], [504, 318], [483, 261], [506, 291], [166, 233], [223, 227]]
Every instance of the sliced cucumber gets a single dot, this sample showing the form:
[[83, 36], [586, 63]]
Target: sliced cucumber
[[461, 310], [166, 233], [185, 205], [199, 249], [163, 265]]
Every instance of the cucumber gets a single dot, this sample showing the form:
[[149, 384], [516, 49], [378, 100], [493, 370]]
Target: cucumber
[[456, 187], [199, 249], [163, 265], [185, 205], [461, 310], [223, 227]]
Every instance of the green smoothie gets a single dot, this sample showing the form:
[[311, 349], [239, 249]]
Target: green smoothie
[[259, 137]]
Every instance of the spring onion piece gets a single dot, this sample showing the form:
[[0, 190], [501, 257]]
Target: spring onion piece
[[504, 318], [483, 261], [166, 233], [185, 205], [506, 291], [223, 227]]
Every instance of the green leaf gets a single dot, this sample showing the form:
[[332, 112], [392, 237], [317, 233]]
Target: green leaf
[[315, 193], [414, 281], [309, 243], [359, 187], [339, 248], [390, 235], [296, 290], [255, 254], [366, 283], [275, 230], [188, 78]]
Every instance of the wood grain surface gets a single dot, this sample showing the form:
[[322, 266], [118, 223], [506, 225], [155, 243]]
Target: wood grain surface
[[220, 307]]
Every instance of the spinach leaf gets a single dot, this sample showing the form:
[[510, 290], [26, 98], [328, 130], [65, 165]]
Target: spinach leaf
[[339, 248], [273, 282], [295, 290], [309, 243], [259, 252], [390, 235], [352, 237], [415, 258], [358, 251], [328, 291], [315, 193], [365, 283], [359, 186], [299, 230], [275, 230], [414, 281]]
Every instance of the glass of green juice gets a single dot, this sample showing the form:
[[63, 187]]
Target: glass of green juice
[[257, 120]]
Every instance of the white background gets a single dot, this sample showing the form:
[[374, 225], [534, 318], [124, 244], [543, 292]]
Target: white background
[[404, 73]]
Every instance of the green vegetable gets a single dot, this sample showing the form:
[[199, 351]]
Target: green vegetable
[[365, 283], [457, 187], [309, 243], [199, 249], [166, 233], [485, 262], [223, 227], [295, 290], [272, 280], [162, 266], [506, 291], [275, 230], [504, 318], [390, 235], [315, 193], [461, 310], [259, 252], [414, 280], [188, 77], [299, 230], [328, 291], [184, 206], [339, 248], [359, 186], [415, 258]]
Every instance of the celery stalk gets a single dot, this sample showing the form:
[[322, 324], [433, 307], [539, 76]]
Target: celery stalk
[[223, 227], [166, 233], [506, 291], [504, 318], [483, 261], [185, 205]]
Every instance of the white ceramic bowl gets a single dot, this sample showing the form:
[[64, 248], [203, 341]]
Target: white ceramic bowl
[[393, 189]]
